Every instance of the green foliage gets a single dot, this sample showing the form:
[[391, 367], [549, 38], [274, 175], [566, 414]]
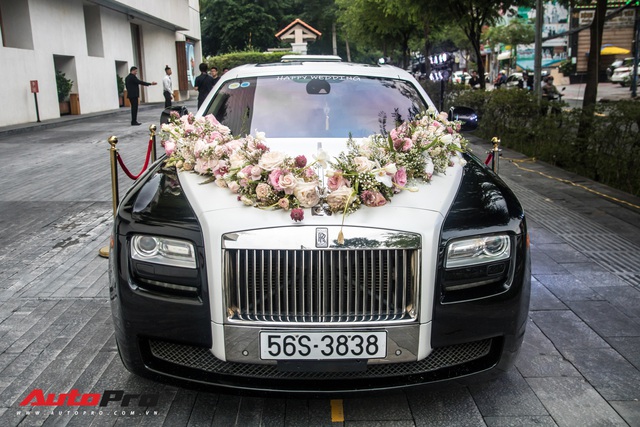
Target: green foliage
[[610, 154], [567, 68], [64, 86], [231, 60], [120, 83]]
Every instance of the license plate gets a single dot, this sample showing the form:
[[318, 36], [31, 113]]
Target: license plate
[[279, 345]]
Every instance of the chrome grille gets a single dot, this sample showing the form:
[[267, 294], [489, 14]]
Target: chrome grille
[[311, 285]]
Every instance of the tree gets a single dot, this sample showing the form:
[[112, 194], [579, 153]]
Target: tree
[[232, 25], [373, 23], [517, 31], [473, 15]]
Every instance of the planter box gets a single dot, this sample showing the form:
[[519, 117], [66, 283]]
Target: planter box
[[65, 108], [578, 78]]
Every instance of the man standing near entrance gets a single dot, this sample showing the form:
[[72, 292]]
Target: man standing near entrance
[[132, 83], [167, 87], [203, 84]]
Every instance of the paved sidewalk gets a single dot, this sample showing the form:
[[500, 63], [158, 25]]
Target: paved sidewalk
[[579, 366]]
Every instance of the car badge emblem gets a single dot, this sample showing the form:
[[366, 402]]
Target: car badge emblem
[[322, 237]]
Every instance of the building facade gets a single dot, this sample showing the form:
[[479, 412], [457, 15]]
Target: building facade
[[93, 42]]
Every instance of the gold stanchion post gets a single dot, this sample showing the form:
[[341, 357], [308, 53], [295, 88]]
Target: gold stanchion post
[[152, 131], [495, 160], [104, 251]]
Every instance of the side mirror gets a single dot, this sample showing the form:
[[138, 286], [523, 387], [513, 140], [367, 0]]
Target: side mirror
[[466, 115]]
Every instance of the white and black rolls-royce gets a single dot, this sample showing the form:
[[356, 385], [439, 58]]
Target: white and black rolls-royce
[[318, 227]]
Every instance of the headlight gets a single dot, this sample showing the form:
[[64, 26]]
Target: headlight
[[164, 251], [479, 250]]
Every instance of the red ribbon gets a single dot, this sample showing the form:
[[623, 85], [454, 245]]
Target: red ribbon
[[146, 162], [489, 158]]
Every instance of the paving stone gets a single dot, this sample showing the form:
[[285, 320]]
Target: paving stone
[[511, 396], [452, 406], [605, 319], [273, 414], [566, 330], [543, 299], [391, 406], [624, 298], [227, 410], [608, 372], [567, 288], [519, 421], [561, 253], [400, 423], [543, 264], [573, 402], [629, 410], [539, 358], [628, 348], [203, 410]]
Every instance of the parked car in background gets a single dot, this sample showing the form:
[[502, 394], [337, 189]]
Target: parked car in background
[[513, 80], [611, 68], [207, 288], [459, 76], [622, 74]]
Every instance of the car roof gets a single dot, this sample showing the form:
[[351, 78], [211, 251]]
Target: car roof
[[315, 67]]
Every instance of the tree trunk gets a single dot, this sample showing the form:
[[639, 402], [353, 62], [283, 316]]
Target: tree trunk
[[334, 38], [593, 64], [427, 48], [346, 42]]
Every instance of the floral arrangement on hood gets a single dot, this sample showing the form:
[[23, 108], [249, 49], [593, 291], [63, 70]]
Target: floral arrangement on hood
[[370, 172]]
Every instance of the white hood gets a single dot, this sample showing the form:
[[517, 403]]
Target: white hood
[[435, 196]]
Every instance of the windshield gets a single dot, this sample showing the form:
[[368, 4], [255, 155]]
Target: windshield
[[315, 106]]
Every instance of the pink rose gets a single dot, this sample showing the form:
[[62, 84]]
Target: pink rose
[[400, 178], [274, 178], [263, 191], [297, 214], [336, 181], [233, 186], [212, 119], [310, 174], [256, 173], [284, 204], [169, 146], [373, 199]]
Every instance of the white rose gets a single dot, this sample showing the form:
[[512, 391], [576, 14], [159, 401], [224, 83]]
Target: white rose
[[261, 136], [236, 160], [288, 183], [307, 193], [447, 138], [271, 160], [363, 164]]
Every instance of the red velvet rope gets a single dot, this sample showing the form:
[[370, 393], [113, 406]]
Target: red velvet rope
[[489, 158], [146, 162]]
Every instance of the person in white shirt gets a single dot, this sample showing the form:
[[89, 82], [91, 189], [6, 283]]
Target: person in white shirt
[[167, 87]]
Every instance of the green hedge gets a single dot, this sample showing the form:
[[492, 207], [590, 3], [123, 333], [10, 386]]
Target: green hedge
[[608, 152], [231, 60]]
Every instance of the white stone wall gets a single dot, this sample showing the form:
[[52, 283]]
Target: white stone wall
[[59, 40]]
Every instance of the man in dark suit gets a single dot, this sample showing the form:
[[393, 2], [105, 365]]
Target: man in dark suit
[[132, 83]]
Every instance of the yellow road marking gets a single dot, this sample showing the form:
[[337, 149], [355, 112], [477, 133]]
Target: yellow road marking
[[337, 411]]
